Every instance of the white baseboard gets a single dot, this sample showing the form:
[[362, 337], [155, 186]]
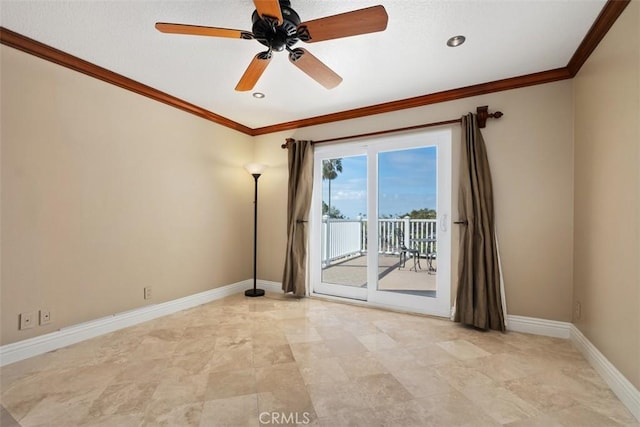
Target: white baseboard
[[626, 392], [21, 350], [532, 325]]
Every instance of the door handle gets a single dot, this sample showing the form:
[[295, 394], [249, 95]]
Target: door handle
[[443, 222]]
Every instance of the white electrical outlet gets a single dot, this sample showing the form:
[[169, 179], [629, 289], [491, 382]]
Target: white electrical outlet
[[27, 320], [147, 292], [578, 312], [45, 316]]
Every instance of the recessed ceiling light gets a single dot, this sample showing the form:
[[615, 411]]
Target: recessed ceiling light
[[258, 95], [456, 41]]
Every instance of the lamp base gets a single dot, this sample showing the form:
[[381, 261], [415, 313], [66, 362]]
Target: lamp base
[[254, 293]]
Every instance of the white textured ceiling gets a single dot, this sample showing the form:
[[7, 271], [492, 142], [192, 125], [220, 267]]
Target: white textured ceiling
[[504, 39]]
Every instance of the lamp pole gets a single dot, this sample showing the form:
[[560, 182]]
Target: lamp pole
[[255, 170]]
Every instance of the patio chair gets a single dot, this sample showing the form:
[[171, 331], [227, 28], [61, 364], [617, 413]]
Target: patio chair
[[431, 254], [404, 250], [430, 257]]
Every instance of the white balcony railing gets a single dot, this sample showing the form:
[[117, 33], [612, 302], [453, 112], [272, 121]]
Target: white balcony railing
[[343, 238]]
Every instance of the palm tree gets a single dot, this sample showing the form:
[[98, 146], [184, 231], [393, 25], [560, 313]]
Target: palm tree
[[330, 170]]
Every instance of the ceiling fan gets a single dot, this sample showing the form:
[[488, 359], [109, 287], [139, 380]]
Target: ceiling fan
[[277, 26]]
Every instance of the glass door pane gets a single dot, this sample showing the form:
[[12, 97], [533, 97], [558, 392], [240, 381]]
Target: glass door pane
[[407, 217], [343, 226]]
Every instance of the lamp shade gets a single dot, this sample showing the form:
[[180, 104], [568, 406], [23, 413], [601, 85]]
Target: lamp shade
[[255, 168]]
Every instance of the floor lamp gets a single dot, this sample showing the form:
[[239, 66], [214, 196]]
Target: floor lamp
[[255, 169]]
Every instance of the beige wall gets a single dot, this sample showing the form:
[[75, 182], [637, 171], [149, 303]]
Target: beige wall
[[607, 195], [530, 151], [105, 192]]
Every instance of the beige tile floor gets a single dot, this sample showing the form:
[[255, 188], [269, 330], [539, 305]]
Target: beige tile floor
[[240, 361]]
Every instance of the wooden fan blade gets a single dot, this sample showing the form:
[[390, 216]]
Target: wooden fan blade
[[253, 72], [270, 8], [314, 68], [362, 21], [197, 30]]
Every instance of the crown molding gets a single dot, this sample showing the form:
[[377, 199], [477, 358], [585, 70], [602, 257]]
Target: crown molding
[[608, 15], [418, 101], [610, 12]]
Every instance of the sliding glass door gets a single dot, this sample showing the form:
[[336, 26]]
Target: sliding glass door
[[381, 222]]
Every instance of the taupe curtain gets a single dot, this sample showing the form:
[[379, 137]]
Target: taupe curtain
[[479, 300], [299, 202]]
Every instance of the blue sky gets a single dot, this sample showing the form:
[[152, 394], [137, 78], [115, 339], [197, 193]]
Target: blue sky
[[406, 181]]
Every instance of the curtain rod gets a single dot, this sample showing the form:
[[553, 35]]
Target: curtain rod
[[482, 115]]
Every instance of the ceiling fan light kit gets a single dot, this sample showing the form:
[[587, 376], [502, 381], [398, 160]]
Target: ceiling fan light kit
[[278, 27]]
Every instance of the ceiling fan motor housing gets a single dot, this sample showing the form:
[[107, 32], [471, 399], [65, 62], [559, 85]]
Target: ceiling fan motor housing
[[277, 37]]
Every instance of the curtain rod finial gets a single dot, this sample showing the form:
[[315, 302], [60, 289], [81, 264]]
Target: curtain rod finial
[[483, 114], [287, 141]]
